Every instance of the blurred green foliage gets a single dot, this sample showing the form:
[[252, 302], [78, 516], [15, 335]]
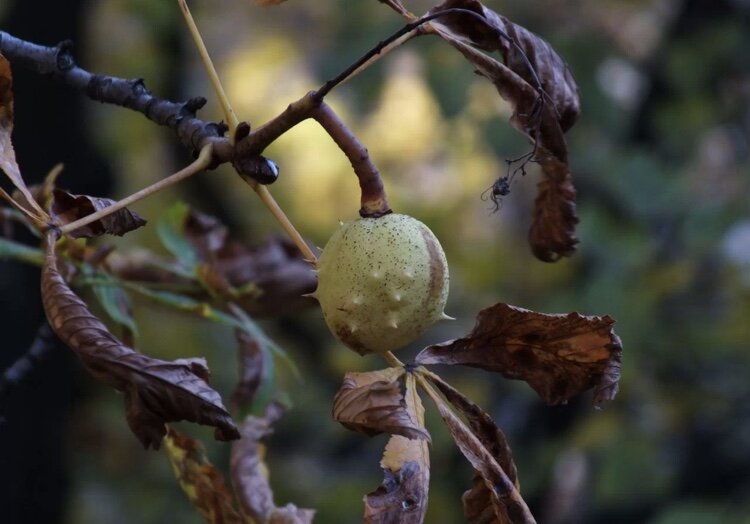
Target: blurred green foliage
[[660, 159]]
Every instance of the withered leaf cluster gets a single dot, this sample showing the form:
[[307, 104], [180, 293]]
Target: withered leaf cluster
[[207, 489], [266, 280], [155, 391], [538, 84]]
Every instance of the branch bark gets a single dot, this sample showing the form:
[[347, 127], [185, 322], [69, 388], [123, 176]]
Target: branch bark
[[244, 155]]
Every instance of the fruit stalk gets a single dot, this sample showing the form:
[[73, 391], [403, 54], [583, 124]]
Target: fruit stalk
[[374, 201]]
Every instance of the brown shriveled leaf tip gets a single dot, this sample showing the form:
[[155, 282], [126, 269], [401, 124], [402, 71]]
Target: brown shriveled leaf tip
[[200, 480], [372, 403], [479, 502], [500, 499], [542, 117], [67, 208], [276, 267], [251, 367], [402, 496], [8, 163], [482, 425], [560, 356], [155, 391], [249, 473]]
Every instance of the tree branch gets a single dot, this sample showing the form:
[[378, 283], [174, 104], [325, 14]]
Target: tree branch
[[58, 63], [245, 148]]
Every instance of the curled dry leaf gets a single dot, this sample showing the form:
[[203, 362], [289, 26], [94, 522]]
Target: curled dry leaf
[[67, 208], [499, 493], [250, 477], [477, 501], [551, 70], [542, 117], [252, 367], [560, 356], [402, 497], [200, 480], [482, 425], [8, 163], [372, 403], [156, 391]]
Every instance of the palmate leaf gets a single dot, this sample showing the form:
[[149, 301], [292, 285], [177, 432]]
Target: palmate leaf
[[560, 356], [156, 391]]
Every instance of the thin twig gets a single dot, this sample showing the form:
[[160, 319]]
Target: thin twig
[[410, 30], [24, 365], [198, 165], [226, 107]]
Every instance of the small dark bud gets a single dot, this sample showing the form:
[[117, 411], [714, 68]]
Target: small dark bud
[[242, 130], [258, 168], [64, 57]]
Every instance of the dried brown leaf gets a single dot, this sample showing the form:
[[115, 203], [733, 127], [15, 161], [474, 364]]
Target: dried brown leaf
[[551, 70], [477, 501], [560, 356], [200, 480], [8, 163], [250, 477], [266, 3], [482, 425], [402, 497], [552, 234], [508, 507], [276, 267], [66, 208], [251, 365], [372, 403], [156, 391]]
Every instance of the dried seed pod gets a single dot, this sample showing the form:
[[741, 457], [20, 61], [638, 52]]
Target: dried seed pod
[[382, 282]]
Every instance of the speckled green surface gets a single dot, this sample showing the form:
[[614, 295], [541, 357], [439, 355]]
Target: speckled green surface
[[382, 282]]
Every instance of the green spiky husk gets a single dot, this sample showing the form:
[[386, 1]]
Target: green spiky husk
[[382, 282]]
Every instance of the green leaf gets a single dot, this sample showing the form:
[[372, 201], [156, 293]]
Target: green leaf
[[10, 249], [187, 304], [249, 325], [116, 303], [171, 230]]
